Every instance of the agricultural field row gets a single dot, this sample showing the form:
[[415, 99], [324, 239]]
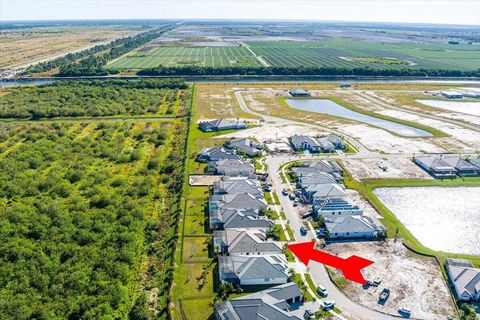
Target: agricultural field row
[[328, 53], [183, 56], [340, 53]]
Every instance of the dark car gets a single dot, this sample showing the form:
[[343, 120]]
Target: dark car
[[384, 294]]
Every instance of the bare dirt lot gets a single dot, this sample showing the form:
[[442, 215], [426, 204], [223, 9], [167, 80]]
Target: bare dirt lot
[[21, 46], [397, 168], [203, 179], [415, 282]]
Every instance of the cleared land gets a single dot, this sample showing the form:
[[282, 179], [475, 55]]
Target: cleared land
[[430, 213], [415, 282], [23, 46], [150, 57]]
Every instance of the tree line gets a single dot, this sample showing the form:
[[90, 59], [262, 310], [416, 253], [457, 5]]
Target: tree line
[[92, 98], [303, 71], [91, 64]]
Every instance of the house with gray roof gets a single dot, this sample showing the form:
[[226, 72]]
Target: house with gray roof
[[328, 143], [239, 220], [319, 193], [299, 93], [465, 279], [245, 219], [232, 168], [314, 178], [336, 207], [436, 167], [283, 302], [215, 154], [238, 185], [246, 145], [354, 226], [238, 242], [235, 201], [305, 143], [221, 124], [464, 168], [253, 270], [330, 167]]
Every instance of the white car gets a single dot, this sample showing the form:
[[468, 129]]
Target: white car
[[377, 281], [327, 304], [405, 311], [322, 291]]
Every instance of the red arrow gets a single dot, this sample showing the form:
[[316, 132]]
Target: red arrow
[[350, 267]]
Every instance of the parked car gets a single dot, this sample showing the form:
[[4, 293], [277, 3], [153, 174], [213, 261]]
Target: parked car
[[404, 311], [266, 188], [327, 304], [309, 314], [377, 281], [303, 230], [306, 215], [295, 203], [384, 294], [291, 196], [285, 192], [322, 291]]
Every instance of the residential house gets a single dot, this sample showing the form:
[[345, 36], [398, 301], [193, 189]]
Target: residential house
[[216, 154], [452, 94], [318, 193], [238, 185], [246, 145], [354, 226], [235, 201], [465, 279], [253, 270], [246, 219], [283, 302], [232, 168], [330, 167], [305, 143], [464, 168], [328, 143], [299, 93], [314, 178], [436, 167], [278, 147], [332, 208], [239, 242], [221, 124]]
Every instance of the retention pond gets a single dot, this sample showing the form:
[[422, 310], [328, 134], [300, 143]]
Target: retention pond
[[330, 107]]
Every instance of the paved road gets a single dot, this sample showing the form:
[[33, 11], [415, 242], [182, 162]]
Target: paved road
[[350, 309]]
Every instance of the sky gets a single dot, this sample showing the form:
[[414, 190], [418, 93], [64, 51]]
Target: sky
[[418, 11]]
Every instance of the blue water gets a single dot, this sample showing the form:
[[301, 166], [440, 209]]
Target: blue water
[[329, 107], [24, 82]]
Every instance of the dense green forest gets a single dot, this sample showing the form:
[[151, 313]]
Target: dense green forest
[[91, 63], [93, 99], [81, 206], [304, 71]]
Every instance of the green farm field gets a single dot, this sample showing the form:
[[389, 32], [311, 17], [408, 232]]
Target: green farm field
[[186, 56], [348, 54], [336, 53]]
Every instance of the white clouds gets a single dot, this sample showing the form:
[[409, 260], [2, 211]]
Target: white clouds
[[428, 11]]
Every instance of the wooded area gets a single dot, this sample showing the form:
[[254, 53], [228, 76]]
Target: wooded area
[[93, 99]]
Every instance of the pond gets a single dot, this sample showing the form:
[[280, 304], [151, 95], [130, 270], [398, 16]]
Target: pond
[[441, 218], [329, 107], [4, 83]]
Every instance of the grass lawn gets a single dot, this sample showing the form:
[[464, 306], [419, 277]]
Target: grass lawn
[[197, 309], [194, 225], [195, 249]]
